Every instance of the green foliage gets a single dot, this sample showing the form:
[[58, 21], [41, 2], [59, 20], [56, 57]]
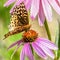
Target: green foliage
[[4, 22]]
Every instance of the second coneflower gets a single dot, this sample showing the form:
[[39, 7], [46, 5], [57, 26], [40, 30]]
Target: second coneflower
[[40, 8], [43, 47]]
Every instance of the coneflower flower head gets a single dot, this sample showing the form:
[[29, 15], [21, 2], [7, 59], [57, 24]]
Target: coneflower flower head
[[43, 47]]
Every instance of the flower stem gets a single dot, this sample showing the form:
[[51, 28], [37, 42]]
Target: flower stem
[[57, 40], [47, 29], [32, 49]]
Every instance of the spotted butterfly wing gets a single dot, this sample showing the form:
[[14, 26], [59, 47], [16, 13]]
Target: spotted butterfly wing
[[19, 20], [22, 13]]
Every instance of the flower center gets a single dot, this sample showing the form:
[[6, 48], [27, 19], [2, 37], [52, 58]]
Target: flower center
[[29, 36]]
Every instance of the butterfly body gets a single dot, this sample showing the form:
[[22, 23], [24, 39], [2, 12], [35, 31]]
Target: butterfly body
[[17, 30]]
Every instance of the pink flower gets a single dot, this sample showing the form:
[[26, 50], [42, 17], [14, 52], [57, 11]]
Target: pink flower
[[42, 8], [17, 2], [58, 1], [41, 46]]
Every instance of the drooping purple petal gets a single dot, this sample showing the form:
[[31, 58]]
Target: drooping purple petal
[[55, 6], [34, 8], [17, 3], [47, 9], [15, 51], [22, 54], [46, 50], [58, 2], [9, 2], [47, 43], [15, 43], [28, 51], [41, 16], [39, 51], [27, 4]]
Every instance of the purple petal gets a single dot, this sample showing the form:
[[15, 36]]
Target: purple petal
[[47, 43], [15, 43], [28, 51], [27, 4], [55, 5], [9, 2], [17, 3], [41, 16], [22, 54], [39, 51], [15, 51], [58, 2], [34, 8], [47, 10], [46, 50]]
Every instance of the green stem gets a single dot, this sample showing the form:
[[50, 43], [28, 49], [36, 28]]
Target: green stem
[[47, 29], [32, 49], [57, 41]]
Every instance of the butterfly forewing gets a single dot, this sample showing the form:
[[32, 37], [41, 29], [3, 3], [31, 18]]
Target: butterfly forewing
[[22, 13]]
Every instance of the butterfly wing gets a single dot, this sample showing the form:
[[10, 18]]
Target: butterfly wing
[[22, 13]]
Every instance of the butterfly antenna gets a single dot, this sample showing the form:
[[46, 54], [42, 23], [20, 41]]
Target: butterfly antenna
[[3, 38]]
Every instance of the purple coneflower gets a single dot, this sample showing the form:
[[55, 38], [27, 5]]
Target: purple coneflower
[[17, 2], [42, 8], [43, 47]]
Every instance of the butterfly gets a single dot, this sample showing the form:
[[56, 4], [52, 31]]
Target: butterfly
[[19, 21]]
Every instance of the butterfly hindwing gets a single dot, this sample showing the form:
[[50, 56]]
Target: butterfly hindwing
[[14, 22]]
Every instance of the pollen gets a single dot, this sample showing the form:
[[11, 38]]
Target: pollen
[[29, 36]]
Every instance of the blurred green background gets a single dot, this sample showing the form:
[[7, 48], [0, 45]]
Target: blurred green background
[[4, 44], [4, 22]]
